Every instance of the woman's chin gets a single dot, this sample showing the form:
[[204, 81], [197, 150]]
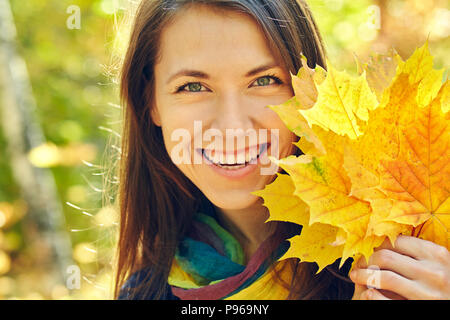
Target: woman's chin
[[233, 200]]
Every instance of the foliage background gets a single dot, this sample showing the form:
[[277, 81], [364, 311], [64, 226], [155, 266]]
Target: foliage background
[[72, 79]]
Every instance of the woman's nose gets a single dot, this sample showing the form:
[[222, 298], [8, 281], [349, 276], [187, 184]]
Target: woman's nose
[[232, 112]]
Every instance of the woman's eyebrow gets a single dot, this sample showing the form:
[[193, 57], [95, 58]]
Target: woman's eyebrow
[[203, 75]]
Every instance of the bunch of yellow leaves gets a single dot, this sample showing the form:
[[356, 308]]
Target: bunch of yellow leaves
[[376, 160]]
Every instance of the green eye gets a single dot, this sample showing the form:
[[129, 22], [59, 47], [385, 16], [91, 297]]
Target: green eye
[[264, 81], [190, 87], [260, 82], [195, 87]]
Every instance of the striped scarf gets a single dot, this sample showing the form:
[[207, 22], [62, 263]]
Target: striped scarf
[[209, 265]]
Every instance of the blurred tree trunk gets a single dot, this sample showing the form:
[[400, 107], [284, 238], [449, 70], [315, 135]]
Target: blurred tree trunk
[[22, 133]]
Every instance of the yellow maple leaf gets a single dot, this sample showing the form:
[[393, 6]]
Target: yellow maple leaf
[[342, 103], [406, 147], [283, 205], [309, 143], [383, 169], [437, 229], [315, 244], [305, 84], [445, 97], [365, 185], [419, 66], [420, 175], [305, 89], [325, 188], [380, 69]]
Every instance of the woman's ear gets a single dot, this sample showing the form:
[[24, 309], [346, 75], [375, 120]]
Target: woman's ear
[[154, 115]]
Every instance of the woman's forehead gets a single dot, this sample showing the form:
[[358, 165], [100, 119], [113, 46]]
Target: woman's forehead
[[199, 37]]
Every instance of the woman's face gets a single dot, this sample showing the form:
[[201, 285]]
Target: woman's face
[[216, 75]]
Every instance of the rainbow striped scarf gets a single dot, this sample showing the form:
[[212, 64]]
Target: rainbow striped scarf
[[209, 265]]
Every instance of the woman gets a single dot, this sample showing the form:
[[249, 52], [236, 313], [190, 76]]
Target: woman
[[190, 227]]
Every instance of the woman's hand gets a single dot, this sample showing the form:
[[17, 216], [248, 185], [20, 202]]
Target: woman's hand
[[412, 269]]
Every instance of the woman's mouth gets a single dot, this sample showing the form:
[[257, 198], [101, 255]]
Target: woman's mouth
[[234, 161], [234, 165]]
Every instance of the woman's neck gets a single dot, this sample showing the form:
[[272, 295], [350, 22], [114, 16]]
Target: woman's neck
[[247, 225]]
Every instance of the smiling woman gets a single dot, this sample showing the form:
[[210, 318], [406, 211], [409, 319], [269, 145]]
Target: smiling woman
[[192, 229]]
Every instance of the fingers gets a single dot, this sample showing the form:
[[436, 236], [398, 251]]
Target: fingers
[[363, 293], [386, 259], [413, 269], [418, 248], [384, 279], [373, 294], [405, 257]]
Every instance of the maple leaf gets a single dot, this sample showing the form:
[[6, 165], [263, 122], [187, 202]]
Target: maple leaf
[[305, 89], [420, 176], [283, 205], [289, 114], [344, 100], [371, 170], [406, 144], [305, 84], [380, 69], [325, 187], [315, 244], [445, 98]]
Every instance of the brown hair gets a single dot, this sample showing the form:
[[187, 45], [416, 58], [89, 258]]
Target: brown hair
[[156, 201]]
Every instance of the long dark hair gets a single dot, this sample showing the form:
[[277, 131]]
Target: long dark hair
[[156, 200]]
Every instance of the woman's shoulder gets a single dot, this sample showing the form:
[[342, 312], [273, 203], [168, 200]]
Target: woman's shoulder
[[135, 288]]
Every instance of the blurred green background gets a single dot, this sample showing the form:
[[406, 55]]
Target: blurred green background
[[59, 119]]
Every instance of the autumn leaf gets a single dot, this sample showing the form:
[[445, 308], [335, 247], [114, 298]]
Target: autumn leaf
[[283, 205], [413, 165], [445, 97], [343, 102], [326, 190], [305, 84], [289, 113], [380, 69], [421, 173], [315, 244], [365, 186], [305, 88], [376, 158]]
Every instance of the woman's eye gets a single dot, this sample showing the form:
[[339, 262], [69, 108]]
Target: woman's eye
[[267, 80], [260, 82], [195, 87], [191, 87]]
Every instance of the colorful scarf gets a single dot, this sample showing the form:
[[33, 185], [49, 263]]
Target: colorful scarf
[[209, 265]]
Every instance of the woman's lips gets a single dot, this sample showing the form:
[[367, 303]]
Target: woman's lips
[[248, 155], [236, 171]]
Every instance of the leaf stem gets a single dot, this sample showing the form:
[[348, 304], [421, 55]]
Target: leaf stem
[[418, 229]]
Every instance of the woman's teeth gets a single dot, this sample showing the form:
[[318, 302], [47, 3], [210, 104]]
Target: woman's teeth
[[233, 162]]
